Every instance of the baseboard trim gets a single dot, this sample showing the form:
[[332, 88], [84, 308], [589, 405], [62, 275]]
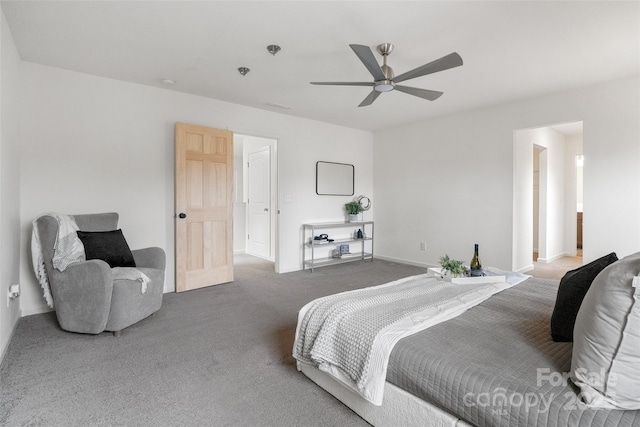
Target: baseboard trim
[[35, 310], [406, 262], [552, 259], [261, 257], [525, 269]]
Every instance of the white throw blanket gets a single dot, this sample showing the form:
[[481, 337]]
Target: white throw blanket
[[131, 273], [68, 249], [350, 335]]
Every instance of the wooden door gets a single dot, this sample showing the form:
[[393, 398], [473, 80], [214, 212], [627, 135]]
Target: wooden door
[[259, 203], [204, 207]]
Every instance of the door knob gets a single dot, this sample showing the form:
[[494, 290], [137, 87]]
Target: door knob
[[182, 215], [266, 210]]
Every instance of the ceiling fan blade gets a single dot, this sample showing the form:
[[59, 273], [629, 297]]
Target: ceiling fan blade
[[366, 56], [431, 95], [344, 83], [449, 61], [370, 98]]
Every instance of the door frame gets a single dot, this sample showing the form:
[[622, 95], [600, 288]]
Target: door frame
[[252, 139]]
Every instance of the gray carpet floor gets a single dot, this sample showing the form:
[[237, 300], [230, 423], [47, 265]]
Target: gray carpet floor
[[219, 356]]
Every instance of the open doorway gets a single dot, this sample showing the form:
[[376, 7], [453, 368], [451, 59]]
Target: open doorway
[[255, 207], [547, 190]]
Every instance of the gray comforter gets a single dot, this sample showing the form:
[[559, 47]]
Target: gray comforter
[[496, 365], [351, 334]]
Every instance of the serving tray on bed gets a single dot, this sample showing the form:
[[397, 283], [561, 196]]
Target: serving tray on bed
[[488, 277]]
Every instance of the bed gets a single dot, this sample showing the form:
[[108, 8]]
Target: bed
[[493, 365]]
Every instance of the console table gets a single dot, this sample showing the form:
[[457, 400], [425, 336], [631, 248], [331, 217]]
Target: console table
[[359, 249]]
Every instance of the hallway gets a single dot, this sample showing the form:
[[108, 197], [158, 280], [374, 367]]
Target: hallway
[[556, 269]]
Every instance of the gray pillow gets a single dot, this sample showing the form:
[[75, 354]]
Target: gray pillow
[[606, 339]]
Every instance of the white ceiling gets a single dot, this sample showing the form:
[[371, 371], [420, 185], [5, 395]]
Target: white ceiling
[[569, 129], [511, 50]]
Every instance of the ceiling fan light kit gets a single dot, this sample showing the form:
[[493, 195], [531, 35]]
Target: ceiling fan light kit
[[384, 79]]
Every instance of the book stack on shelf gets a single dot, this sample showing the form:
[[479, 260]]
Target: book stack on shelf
[[322, 239]]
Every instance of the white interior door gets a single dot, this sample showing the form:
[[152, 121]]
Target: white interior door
[[258, 203]]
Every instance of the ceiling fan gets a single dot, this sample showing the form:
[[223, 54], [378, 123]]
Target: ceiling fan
[[384, 79]]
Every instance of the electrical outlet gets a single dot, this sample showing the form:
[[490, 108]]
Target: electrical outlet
[[423, 246], [13, 292]]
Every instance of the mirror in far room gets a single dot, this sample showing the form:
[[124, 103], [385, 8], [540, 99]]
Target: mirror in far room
[[334, 179]]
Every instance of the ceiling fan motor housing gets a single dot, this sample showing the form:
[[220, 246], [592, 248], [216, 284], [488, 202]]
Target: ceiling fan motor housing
[[387, 84], [384, 79]]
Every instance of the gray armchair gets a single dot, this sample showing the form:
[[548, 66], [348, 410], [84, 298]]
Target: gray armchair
[[87, 299]]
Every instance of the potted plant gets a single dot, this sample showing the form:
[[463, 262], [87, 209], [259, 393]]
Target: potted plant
[[353, 209], [452, 267]]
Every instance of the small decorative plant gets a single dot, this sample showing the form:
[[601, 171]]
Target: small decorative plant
[[353, 208], [454, 267]]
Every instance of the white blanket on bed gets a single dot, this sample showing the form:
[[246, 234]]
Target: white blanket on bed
[[350, 335]]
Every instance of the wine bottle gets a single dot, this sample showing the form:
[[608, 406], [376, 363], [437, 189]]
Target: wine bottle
[[476, 267]]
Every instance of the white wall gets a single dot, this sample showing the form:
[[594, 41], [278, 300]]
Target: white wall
[[9, 181], [536, 196], [91, 144], [449, 181], [525, 160], [573, 147]]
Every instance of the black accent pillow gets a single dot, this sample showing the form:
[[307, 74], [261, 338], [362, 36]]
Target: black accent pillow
[[571, 291], [109, 246]]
